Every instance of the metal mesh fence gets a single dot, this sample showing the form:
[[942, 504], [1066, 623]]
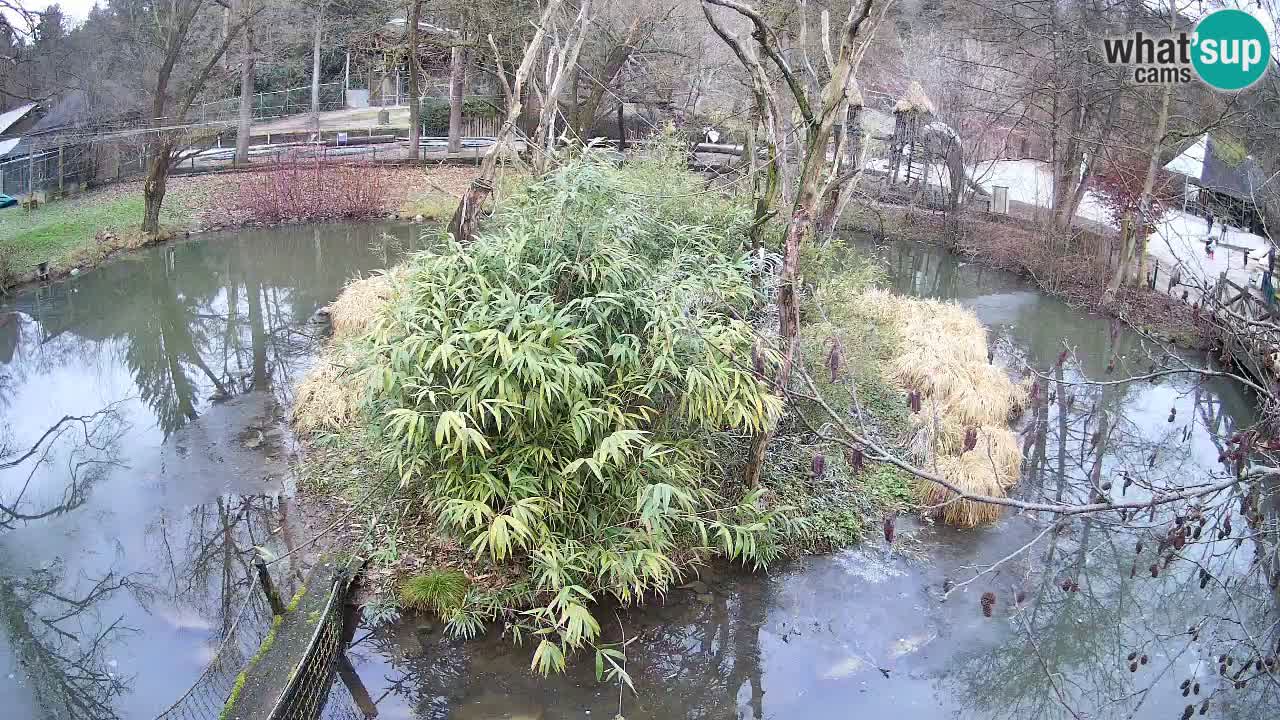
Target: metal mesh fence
[[47, 170], [205, 698], [278, 103], [308, 689]]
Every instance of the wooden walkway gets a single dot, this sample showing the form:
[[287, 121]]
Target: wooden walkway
[[1245, 324]]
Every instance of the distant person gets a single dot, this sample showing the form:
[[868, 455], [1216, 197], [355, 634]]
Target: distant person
[[1208, 247], [1209, 229]]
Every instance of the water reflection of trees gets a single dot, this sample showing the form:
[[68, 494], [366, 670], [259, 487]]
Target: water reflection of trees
[[62, 641], [1068, 654], [1117, 615], [699, 657], [54, 623], [1092, 436], [197, 321], [191, 324], [224, 323], [207, 554], [708, 659], [84, 447]]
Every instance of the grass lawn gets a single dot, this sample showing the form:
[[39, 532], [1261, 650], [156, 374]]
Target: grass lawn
[[63, 232]]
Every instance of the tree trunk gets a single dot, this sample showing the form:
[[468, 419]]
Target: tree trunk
[[415, 105], [848, 144], [257, 330], [457, 95], [245, 123], [462, 225], [622, 126], [315, 73], [153, 188], [1066, 179], [1137, 220], [586, 109], [764, 189], [825, 224]]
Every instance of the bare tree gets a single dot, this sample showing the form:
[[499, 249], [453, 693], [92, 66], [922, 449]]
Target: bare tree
[[462, 225], [168, 53], [459, 56], [412, 21], [562, 62], [315, 68], [248, 62], [818, 107]]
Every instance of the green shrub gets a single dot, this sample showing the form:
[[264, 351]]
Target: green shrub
[[440, 590], [556, 391]]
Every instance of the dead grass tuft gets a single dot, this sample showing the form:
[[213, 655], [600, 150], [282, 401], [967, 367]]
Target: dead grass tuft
[[358, 304], [973, 475], [943, 355], [327, 400]]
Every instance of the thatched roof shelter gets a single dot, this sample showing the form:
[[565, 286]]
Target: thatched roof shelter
[[914, 101]]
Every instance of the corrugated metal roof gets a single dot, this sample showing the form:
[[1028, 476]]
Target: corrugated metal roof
[[14, 115]]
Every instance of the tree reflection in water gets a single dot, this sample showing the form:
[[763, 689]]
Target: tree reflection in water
[[175, 330], [699, 659], [53, 623]]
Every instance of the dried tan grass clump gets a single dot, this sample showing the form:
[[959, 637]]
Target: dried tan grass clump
[[358, 304], [973, 475], [329, 396], [978, 394], [999, 451], [944, 357], [326, 399]]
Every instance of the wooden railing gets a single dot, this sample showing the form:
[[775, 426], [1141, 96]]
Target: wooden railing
[[1242, 301]]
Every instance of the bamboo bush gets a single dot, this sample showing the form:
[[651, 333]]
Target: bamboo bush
[[554, 392]]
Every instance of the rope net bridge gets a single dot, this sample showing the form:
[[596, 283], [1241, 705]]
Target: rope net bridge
[[280, 661]]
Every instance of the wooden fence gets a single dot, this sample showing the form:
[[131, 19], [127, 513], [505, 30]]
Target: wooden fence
[[1244, 323]]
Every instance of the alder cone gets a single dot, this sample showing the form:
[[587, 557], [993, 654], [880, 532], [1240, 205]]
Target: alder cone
[[988, 603]]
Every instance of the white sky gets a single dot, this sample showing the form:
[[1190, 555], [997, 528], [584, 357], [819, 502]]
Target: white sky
[[74, 10], [77, 10]]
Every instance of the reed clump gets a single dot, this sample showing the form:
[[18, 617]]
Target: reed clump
[[967, 403], [358, 304]]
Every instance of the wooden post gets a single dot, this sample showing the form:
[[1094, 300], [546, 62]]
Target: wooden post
[[61, 189], [31, 172], [269, 588], [622, 126]]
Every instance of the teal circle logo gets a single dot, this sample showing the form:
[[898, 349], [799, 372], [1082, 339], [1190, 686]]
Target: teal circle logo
[[1231, 49]]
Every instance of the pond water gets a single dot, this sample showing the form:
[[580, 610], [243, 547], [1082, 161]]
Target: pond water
[[114, 601], [180, 359]]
